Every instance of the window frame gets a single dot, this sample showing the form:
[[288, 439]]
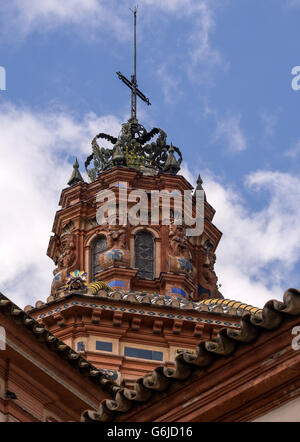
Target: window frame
[[92, 255], [148, 232]]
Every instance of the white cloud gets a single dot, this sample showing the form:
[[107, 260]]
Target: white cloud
[[202, 49], [259, 249], [99, 16], [34, 168], [109, 21], [228, 128], [199, 16], [88, 15], [202, 14]]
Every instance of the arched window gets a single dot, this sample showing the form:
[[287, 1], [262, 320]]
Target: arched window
[[98, 247], [144, 254]]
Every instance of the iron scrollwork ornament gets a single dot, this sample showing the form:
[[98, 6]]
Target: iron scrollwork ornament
[[132, 149]]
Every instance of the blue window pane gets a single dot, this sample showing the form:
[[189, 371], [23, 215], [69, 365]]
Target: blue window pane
[[157, 355], [80, 346], [143, 354], [104, 346]]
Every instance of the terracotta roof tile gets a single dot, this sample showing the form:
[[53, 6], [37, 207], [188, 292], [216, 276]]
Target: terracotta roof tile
[[44, 336], [270, 317], [216, 305]]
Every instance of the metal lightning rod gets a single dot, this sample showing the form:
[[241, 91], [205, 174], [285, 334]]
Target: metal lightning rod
[[133, 83], [133, 78]]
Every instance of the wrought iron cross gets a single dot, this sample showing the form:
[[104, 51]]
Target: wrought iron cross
[[133, 83]]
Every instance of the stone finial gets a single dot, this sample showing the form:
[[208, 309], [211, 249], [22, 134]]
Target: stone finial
[[199, 186], [199, 183], [76, 176], [118, 158], [171, 165]]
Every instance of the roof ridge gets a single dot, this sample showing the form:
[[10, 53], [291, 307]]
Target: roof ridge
[[269, 318], [230, 303], [63, 350], [99, 290]]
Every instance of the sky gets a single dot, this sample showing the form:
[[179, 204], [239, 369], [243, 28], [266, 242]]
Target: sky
[[219, 76]]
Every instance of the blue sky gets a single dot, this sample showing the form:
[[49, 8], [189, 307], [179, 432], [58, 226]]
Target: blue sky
[[218, 75]]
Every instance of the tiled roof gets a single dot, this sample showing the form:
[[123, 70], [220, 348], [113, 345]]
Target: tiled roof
[[218, 317], [44, 336], [226, 305], [227, 341], [217, 305]]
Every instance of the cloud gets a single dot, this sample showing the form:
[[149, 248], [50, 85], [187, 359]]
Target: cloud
[[35, 152], [110, 22], [198, 20], [202, 13], [202, 50], [47, 15], [103, 17], [259, 250], [228, 128]]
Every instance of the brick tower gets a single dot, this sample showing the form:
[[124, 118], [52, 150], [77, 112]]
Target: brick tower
[[131, 296], [133, 287]]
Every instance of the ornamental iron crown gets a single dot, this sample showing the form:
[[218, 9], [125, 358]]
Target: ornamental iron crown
[[132, 149]]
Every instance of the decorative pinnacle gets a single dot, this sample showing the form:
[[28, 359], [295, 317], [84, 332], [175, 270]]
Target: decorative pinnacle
[[76, 176], [199, 183], [171, 165], [118, 158], [199, 186]]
